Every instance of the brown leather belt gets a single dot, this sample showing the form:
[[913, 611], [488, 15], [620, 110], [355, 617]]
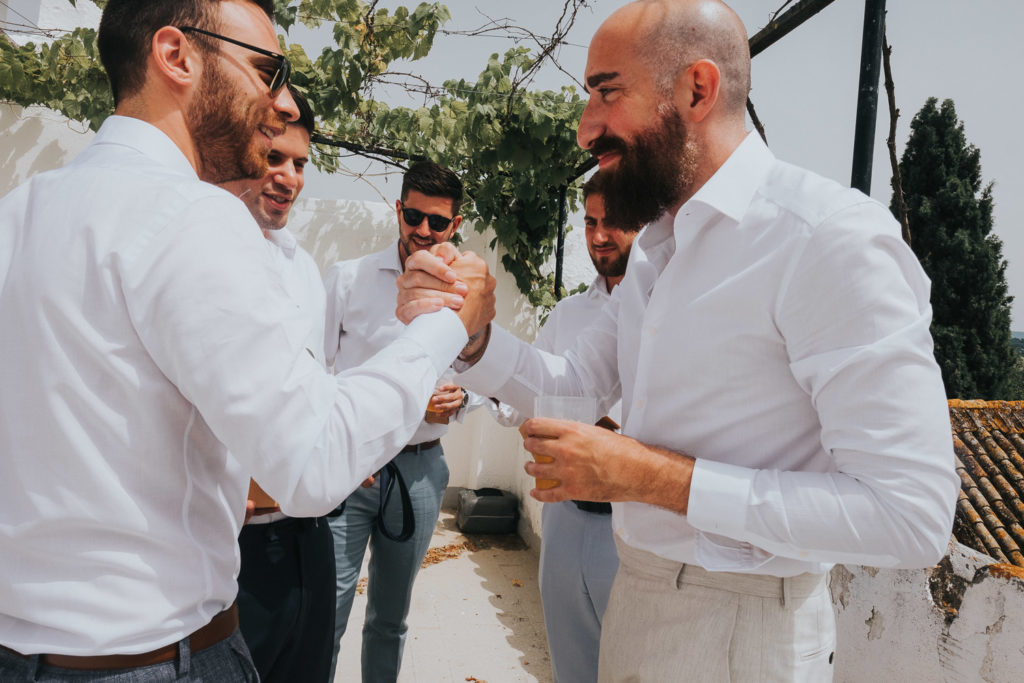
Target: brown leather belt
[[219, 628], [420, 447]]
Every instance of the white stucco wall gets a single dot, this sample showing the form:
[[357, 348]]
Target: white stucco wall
[[480, 453], [960, 622]]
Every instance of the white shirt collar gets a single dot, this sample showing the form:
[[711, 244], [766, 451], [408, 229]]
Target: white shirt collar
[[284, 240], [387, 259], [598, 288], [146, 139], [726, 193], [732, 187]]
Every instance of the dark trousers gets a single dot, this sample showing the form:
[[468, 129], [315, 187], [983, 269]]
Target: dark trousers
[[286, 598]]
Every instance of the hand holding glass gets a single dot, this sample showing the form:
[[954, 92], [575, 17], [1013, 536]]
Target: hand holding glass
[[441, 392], [576, 408]]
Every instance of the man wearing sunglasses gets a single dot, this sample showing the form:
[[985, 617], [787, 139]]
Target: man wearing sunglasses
[[360, 321], [153, 362]]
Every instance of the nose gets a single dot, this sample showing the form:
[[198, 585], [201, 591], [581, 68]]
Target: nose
[[286, 176], [589, 128], [284, 105], [423, 229]]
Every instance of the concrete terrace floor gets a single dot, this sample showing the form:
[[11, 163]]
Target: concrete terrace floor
[[476, 614]]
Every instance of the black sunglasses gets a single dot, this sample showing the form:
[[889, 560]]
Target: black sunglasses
[[414, 217], [284, 67]]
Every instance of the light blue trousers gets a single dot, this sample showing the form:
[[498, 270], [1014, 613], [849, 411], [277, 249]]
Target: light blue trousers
[[393, 565], [578, 561]]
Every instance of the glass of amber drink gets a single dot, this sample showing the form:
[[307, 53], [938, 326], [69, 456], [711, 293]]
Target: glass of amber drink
[[576, 408]]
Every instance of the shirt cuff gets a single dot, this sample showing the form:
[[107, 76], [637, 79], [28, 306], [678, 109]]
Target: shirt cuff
[[719, 496], [495, 368], [441, 335]]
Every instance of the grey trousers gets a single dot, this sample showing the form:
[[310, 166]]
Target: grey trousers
[[226, 662], [393, 565], [577, 570], [672, 622]]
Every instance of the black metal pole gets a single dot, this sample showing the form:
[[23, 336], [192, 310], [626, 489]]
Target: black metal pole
[[560, 244], [867, 98], [781, 25]]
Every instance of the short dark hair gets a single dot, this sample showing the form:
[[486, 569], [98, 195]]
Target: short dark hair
[[433, 180], [127, 28], [305, 112], [594, 185]]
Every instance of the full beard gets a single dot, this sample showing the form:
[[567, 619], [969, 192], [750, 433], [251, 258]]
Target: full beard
[[615, 267], [652, 173], [223, 130]]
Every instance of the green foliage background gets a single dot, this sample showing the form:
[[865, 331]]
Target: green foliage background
[[514, 148], [950, 216]]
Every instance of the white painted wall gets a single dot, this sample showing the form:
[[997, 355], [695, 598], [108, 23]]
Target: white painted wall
[[891, 629], [480, 452]]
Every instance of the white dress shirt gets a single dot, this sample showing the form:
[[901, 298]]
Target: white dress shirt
[[567, 319], [776, 329], [152, 360], [361, 320], [301, 279]]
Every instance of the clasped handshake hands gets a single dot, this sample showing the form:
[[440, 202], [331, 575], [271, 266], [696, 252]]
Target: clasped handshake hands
[[581, 455], [443, 277]]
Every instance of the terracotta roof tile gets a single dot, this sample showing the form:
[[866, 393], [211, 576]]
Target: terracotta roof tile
[[988, 440]]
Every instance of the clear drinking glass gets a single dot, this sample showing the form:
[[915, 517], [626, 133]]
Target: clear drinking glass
[[577, 408]]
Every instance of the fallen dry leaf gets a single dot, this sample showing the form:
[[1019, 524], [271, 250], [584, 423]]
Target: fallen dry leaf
[[517, 583], [447, 552]]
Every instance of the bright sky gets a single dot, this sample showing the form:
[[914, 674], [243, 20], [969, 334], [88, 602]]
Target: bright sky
[[805, 87]]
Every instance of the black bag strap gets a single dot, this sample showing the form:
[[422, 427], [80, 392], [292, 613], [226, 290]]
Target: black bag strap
[[388, 476]]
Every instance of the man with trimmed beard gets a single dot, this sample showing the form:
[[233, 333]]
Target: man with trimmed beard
[[286, 579], [577, 553], [153, 361], [782, 408]]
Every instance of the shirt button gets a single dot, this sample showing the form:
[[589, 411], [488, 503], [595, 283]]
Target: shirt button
[[639, 403], [651, 331]]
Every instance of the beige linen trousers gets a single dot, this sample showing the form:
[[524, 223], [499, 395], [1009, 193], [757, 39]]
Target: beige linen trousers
[[667, 622]]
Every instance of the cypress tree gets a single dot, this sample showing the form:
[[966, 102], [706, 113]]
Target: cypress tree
[[950, 216]]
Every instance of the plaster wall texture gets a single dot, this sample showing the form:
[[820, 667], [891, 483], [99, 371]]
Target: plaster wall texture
[[960, 621]]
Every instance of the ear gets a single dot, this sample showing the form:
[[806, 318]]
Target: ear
[[456, 222], [398, 210], [697, 89], [174, 58]]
